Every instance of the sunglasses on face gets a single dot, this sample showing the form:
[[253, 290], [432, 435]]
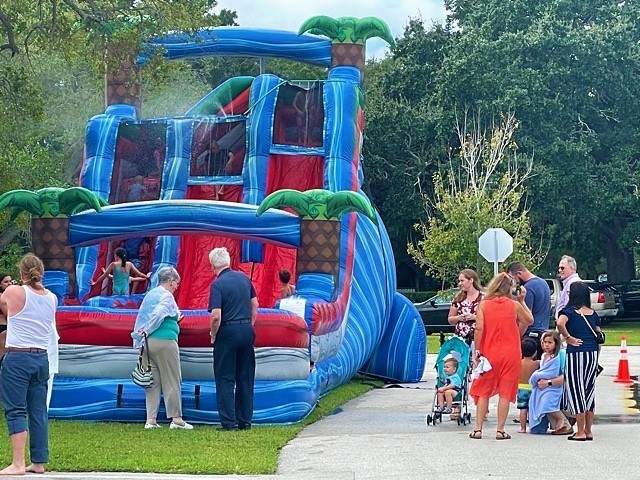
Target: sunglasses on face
[[560, 269]]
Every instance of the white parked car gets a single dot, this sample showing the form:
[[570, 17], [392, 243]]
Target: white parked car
[[603, 300]]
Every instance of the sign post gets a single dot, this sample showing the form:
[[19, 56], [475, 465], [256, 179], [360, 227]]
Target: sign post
[[495, 245]]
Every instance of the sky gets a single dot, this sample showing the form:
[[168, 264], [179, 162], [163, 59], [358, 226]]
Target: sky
[[290, 14]]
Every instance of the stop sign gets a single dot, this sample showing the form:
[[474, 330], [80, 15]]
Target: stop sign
[[495, 245]]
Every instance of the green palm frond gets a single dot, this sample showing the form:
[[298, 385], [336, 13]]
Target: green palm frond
[[78, 199], [286, 198], [50, 201], [21, 201], [318, 204], [321, 25], [348, 29], [369, 27], [347, 201]]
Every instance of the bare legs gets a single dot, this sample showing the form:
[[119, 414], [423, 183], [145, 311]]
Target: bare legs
[[588, 424], [523, 420], [18, 443], [481, 412], [446, 398], [503, 411], [581, 424]]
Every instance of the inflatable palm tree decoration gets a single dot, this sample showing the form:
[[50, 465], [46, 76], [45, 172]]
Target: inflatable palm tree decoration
[[320, 210], [348, 36], [50, 208]]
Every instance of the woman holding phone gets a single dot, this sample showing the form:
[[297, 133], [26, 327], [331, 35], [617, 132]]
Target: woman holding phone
[[462, 314]]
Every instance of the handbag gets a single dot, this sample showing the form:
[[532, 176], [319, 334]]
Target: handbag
[[142, 375], [600, 336]]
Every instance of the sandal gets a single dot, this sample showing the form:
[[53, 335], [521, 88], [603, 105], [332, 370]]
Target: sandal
[[501, 435], [566, 430], [475, 435], [576, 439]]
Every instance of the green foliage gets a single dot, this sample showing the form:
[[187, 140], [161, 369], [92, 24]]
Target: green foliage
[[418, 297], [10, 258], [401, 149], [565, 68], [486, 190]]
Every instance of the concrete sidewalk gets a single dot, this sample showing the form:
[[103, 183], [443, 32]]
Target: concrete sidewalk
[[383, 435]]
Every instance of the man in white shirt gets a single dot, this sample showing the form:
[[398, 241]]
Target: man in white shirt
[[567, 269]]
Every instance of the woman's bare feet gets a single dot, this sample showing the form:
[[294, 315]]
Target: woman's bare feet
[[13, 470], [35, 468]]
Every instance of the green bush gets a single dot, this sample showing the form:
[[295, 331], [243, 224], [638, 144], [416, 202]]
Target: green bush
[[417, 297], [9, 258]]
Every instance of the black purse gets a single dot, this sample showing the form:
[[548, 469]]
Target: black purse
[[600, 336]]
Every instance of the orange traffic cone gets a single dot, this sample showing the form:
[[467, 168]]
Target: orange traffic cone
[[623, 365]]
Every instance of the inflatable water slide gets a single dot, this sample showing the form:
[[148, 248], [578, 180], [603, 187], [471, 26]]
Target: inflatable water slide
[[267, 167]]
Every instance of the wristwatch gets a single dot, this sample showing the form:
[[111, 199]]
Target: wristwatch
[[549, 383]]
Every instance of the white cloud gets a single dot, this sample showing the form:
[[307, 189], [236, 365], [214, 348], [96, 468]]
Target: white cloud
[[290, 14]]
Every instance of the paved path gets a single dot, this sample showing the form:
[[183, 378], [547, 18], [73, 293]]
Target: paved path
[[383, 435]]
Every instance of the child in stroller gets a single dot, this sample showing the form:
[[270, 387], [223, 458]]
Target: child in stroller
[[454, 351]]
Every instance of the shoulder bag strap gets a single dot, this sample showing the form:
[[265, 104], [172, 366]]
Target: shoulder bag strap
[[588, 324], [146, 347]]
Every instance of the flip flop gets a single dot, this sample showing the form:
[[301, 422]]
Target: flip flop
[[575, 439], [563, 431], [500, 435], [475, 435]]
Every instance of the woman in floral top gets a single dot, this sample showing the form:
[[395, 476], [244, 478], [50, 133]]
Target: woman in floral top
[[463, 308]]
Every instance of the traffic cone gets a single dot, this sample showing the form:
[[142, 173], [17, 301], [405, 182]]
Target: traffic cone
[[623, 375]]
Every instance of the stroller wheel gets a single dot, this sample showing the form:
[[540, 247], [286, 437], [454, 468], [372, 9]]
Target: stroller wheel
[[460, 421], [468, 415], [429, 420]]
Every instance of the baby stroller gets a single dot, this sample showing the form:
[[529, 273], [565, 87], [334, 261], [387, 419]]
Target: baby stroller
[[457, 348]]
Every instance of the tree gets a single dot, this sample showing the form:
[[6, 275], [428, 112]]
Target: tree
[[402, 149], [483, 186], [51, 81], [566, 68]]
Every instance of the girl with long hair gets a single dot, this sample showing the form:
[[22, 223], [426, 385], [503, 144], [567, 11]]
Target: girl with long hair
[[121, 270]]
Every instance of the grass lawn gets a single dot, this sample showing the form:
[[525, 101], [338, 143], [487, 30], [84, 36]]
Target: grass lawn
[[631, 330], [112, 447], [614, 331]]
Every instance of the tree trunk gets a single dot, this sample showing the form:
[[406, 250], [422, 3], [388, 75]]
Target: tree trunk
[[8, 234], [50, 242], [122, 83], [620, 260], [319, 249], [350, 55]]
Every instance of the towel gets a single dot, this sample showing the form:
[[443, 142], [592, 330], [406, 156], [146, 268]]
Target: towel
[[548, 400], [482, 367]]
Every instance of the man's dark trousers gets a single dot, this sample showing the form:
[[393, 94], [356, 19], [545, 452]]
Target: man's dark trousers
[[234, 367]]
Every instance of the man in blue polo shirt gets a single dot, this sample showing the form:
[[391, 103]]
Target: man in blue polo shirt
[[538, 299], [233, 306]]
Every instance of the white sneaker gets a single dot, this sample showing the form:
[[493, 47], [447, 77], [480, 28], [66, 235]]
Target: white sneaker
[[151, 426], [184, 426]]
